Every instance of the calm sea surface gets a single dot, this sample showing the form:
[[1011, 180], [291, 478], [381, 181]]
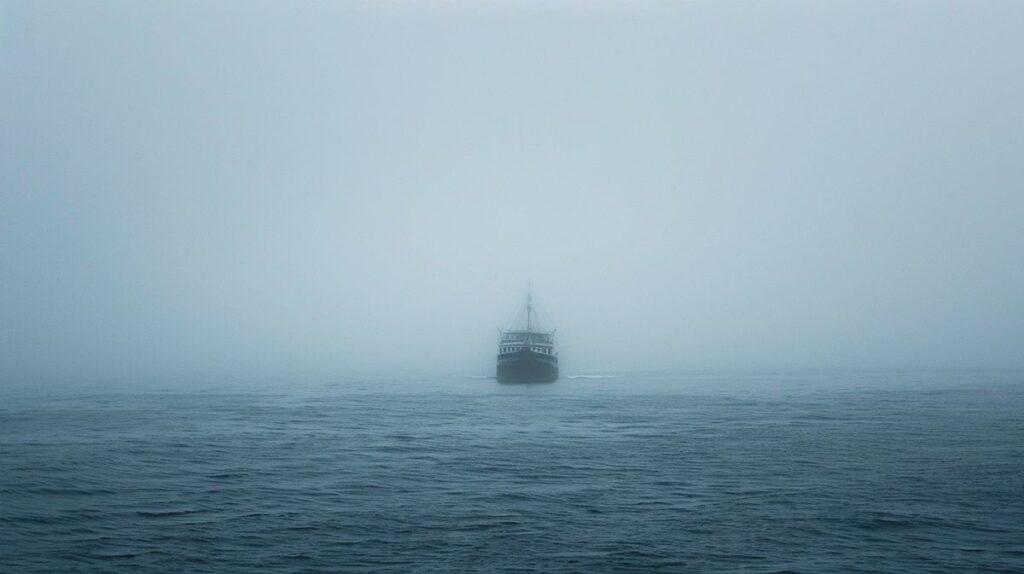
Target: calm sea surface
[[770, 472]]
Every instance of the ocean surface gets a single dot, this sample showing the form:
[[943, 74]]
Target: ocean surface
[[695, 472]]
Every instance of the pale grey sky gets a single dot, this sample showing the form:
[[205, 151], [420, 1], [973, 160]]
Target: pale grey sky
[[321, 189]]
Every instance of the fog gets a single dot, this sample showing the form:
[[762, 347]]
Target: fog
[[239, 190]]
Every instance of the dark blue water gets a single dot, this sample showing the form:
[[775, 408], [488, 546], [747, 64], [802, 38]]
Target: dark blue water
[[883, 472]]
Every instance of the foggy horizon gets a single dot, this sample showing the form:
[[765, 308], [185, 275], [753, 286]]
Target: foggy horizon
[[246, 191]]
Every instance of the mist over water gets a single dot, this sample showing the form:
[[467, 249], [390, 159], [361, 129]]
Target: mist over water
[[254, 257], [267, 190]]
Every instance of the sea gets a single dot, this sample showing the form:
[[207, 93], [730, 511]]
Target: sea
[[752, 472]]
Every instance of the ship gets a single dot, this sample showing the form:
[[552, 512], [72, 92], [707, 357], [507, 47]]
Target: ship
[[526, 352]]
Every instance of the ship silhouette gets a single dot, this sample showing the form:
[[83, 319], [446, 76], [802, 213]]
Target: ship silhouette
[[526, 351]]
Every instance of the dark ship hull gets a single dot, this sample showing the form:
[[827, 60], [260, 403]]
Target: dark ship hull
[[527, 367]]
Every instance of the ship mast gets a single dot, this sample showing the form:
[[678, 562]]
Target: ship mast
[[529, 308]]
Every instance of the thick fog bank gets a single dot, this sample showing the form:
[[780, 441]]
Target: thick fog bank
[[256, 190]]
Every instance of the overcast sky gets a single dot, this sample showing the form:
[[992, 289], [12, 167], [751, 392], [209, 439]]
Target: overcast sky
[[327, 189]]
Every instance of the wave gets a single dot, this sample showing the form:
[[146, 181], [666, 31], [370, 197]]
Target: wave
[[164, 513]]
